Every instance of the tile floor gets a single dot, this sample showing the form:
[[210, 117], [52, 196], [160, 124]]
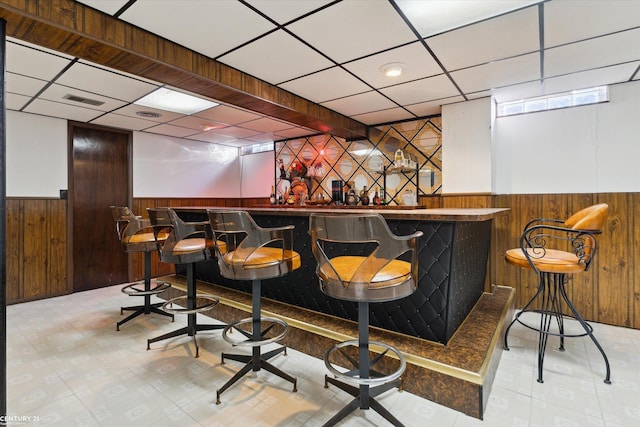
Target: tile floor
[[67, 366]]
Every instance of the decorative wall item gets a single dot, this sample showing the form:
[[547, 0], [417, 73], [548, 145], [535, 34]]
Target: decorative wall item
[[363, 162]]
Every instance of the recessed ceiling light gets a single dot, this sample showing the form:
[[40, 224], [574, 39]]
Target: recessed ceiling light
[[393, 69], [177, 102], [148, 114]]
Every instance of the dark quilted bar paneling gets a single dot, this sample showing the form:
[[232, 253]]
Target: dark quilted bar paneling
[[453, 263]]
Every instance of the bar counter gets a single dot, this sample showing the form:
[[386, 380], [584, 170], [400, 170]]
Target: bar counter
[[452, 253]]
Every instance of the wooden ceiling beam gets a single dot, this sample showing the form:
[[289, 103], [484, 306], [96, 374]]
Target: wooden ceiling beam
[[80, 31]]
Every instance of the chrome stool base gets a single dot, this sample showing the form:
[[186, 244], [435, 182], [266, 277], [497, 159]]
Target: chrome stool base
[[194, 304], [255, 339], [145, 291], [363, 381]]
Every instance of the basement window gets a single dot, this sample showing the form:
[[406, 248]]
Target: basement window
[[256, 148], [555, 101]]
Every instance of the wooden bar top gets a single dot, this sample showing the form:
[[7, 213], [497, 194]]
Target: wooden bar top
[[440, 214]]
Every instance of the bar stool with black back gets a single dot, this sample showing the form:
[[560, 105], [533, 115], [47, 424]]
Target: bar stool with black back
[[136, 235], [556, 249], [187, 243], [361, 260], [256, 254]]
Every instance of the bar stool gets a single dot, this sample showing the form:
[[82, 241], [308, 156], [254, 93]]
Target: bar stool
[[186, 243], [253, 253], [135, 235], [385, 269], [537, 253]]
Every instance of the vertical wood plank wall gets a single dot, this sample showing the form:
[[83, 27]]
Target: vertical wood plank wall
[[608, 293]]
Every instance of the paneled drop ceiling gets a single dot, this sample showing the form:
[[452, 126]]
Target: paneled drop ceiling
[[331, 53]]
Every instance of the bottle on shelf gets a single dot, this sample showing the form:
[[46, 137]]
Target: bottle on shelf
[[291, 198], [364, 196], [272, 197], [376, 197]]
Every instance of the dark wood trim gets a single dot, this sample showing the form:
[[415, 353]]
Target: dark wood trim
[[78, 30]]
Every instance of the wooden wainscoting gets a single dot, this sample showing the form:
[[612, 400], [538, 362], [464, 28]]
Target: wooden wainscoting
[[36, 248], [610, 291]]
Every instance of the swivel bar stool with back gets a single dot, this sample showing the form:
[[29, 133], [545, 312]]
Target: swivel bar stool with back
[[187, 243], [135, 235], [555, 249], [253, 253], [384, 267]]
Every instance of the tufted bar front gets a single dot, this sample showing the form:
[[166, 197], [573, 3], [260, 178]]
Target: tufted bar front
[[453, 254]]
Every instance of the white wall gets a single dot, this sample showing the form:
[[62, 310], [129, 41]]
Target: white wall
[[589, 149], [172, 167], [466, 147], [36, 155], [257, 174]]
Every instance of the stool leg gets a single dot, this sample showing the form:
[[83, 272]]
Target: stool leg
[[257, 360], [147, 307], [364, 394], [192, 325], [589, 331]]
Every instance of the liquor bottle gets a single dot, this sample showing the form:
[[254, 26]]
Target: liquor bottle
[[364, 196], [291, 199], [272, 197], [376, 198]]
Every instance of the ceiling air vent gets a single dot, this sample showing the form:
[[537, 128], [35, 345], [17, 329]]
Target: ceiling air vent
[[77, 98]]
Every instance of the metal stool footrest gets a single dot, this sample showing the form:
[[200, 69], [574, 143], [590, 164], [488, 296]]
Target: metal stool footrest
[[132, 290], [350, 376], [208, 302], [251, 342], [553, 313]]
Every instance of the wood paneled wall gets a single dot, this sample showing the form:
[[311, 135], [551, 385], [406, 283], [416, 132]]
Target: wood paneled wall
[[608, 293], [36, 249]]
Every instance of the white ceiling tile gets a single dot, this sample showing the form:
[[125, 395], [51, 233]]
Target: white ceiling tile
[[56, 93], [418, 63], [498, 38], [209, 27], [62, 111], [197, 123], [346, 31], [234, 131], [567, 21], [16, 102], [599, 52], [167, 129], [281, 57], [123, 122], [131, 110], [431, 17], [591, 78], [500, 73], [97, 80], [228, 115], [390, 115], [107, 6], [432, 107], [283, 11], [19, 84], [34, 63], [326, 85], [360, 104], [266, 124], [421, 90]]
